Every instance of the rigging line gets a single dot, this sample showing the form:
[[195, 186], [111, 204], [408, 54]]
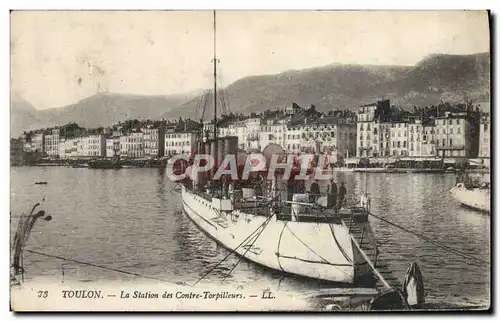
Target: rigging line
[[233, 251], [336, 241], [278, 247], [105, 268], [438, 244], [367, 259], [203, 104], [229, 254], [249, 246]]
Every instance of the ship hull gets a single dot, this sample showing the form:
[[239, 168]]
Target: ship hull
[[315, 250]]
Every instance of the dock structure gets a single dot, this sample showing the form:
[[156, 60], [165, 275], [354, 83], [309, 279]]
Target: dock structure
[[357, 225]]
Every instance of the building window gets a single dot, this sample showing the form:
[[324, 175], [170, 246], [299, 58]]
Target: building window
[[449, 122], [444, 142], [485, 126], [404, 144], [451, 144], [458, 121]]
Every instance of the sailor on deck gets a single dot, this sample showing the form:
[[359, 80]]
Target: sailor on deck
[[332, 195], [314, 192], [342, 194]]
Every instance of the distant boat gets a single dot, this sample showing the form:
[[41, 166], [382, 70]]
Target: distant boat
[[80, 166], [104, 164], [478, 198], [41, 183]]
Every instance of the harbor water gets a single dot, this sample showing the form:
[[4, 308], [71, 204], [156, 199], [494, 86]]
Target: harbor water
[[132, 220]]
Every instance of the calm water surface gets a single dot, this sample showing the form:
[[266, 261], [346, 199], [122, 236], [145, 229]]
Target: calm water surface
[[129, 219]]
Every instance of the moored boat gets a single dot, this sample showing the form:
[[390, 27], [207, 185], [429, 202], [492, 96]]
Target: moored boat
[[104, 164], [284, 238]]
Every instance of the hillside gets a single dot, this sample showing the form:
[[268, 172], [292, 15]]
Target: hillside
[[437, 77], [102, 109]]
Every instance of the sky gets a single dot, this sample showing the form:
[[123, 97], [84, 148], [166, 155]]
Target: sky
[[60, 57]]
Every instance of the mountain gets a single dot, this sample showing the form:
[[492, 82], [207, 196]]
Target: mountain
[[102, 109], [435, 78], [23, 116]]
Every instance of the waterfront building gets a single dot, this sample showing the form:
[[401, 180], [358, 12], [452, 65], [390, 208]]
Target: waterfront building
[[428, 140], [457, 134], [92, 146], [208, 130], [62, 148], [399, 138], [180, 143], [247, 131], [251, 136], [384, 130], [52, 143], [16, 152], [132, 145], [320, 136], [38, 143], [72, 147], [369, 118], [272, 132], [346, 138], [484, 135], [242, 133], [415, 135], [154, 141], [294, 139], [110, 147]]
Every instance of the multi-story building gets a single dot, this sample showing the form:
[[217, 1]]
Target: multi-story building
[[16, 152], [62, 148], [369, 118], [110, 147], [346, 138], [208, 129], [399, 138], [294, 139], [38, 143], [457, 134], [272, 132], [428, 140], [252, 135], [484, 136], [154, 141], [320, 136], [92, 146], [384, 138], [132, 145], [415, 135], [180, 143], [52, 143]]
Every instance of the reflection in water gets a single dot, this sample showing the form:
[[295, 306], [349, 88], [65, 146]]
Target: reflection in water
[[132, 220]]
